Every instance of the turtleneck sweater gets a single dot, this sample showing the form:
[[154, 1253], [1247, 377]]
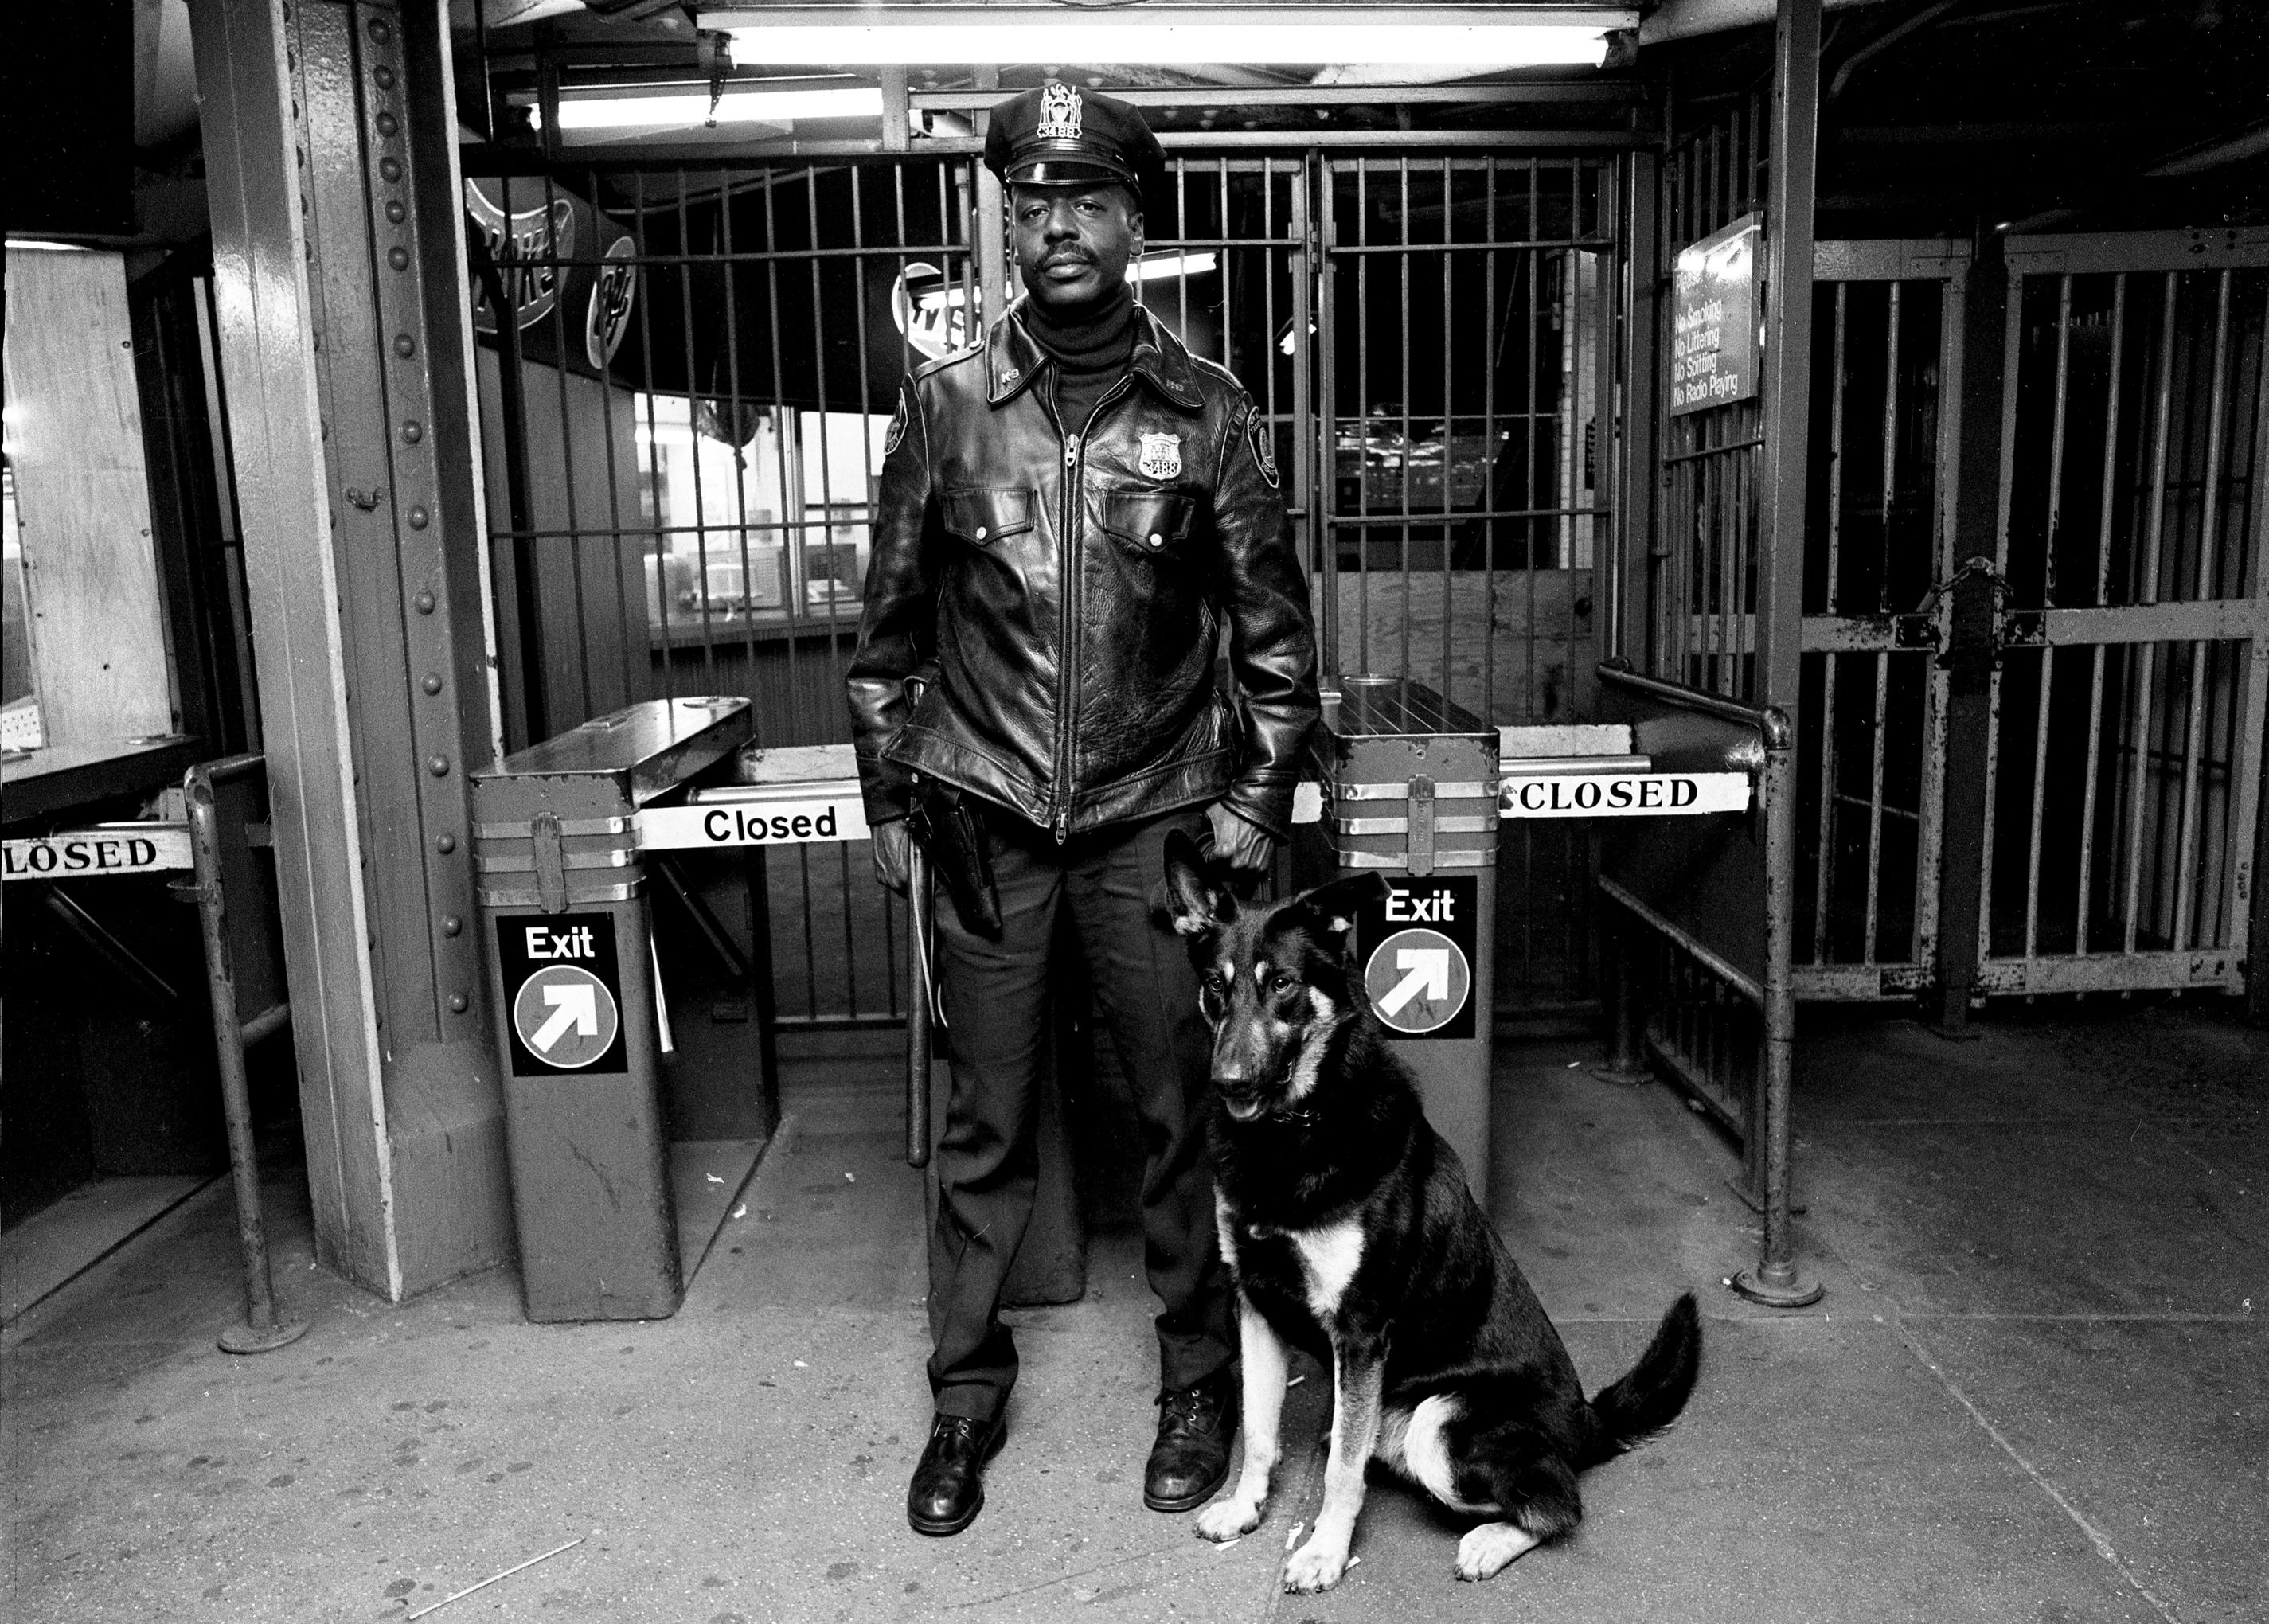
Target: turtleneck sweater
[[1089, 347]]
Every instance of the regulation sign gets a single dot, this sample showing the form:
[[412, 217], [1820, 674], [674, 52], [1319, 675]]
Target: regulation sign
[[1714, 318], [100, 853], [1417, 945], [801, 821], [1622, 795], [561, 973]]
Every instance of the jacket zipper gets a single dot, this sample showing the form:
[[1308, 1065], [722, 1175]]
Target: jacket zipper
[[1074, 447]]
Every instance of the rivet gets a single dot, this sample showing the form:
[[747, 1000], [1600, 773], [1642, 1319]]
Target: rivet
[[444, 843], [433, 682], [399, 258], [980, 532], [423, 600], [418, 518], [383, 77], [386, 122], [1157, 540], [404, 345], [378, 31], [451, 926], [439, 768], [395, 213], [390, 168], [413, 430], [456, 1003]]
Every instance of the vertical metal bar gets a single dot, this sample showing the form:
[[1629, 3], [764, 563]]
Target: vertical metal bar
[[1449, 436], [2054, 517], [1310, 271], [1363, 409], [1402, 365], [1315, 184], [659, 535], [1534, 261], [729, 269], [2147, 592], [2104, 507], [2250, 830], [631, 688], [2188, 834], [693, 417], [567, 457], [1490, 527], [2013, 354], [1822, 863]]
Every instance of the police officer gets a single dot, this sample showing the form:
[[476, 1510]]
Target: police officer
[[1074, 519]]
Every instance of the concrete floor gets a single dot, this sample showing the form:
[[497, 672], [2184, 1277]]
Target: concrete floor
[[2038, 1388]]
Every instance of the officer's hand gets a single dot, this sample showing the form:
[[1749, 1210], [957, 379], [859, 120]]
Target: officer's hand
[[894, 846], [1243, 848]]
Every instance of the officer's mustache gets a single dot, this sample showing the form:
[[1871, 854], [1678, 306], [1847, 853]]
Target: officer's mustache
[[1067, 256]]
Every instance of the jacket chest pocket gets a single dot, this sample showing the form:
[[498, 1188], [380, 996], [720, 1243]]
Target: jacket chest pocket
[[982, 517], [1157, 522]]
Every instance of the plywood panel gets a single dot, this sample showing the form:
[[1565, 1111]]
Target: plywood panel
[[83, 499]]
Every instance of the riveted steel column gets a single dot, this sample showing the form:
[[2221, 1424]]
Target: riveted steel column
[[1788, 352], [330, 139]]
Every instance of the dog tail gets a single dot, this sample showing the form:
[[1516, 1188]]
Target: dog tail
[[1650, 1394]]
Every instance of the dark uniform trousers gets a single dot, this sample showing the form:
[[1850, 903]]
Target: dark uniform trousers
[[996, 994]]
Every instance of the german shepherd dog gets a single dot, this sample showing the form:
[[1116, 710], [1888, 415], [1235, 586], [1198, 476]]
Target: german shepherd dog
[[1347, 1225]]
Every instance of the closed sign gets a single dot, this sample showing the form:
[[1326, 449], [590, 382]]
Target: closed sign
[[753, 823], [99, 852], [1622, 794]]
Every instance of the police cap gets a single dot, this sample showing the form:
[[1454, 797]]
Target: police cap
[[1059, 134]]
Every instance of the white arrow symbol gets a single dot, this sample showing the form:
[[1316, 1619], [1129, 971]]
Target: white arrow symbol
[[575, 1005], [1427, 972]]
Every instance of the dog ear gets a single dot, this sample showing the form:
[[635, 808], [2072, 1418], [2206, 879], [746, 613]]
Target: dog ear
[[1335, 908], [1197, 905]]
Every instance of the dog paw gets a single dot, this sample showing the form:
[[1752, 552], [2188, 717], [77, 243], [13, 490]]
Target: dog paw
[[1314, 1567], [1491, 1548], [1228, 1519]]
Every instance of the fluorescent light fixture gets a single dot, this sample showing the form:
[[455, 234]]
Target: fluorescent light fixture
[[1166, 265], [1571, 38], [735, 106]]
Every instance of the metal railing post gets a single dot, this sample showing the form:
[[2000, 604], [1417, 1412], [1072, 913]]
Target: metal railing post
[[1775, 1281], [262, 1331]]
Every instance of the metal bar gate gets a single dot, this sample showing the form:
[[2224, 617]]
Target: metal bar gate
[[682, 431]]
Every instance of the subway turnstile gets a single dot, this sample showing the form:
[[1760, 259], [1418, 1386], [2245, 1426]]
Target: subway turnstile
[[1414, 793], [581, 1026]]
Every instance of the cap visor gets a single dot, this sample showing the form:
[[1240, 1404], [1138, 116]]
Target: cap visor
[[1049, 171]]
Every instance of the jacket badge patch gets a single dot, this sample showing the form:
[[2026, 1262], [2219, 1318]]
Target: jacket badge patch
[[898, 431], [1162, 456], [1258, 433]]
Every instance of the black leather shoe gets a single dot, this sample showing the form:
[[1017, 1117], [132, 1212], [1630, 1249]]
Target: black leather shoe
[[948, 1490], [1191, 1457]]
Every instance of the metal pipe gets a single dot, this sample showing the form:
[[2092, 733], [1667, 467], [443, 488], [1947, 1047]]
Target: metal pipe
[[1775, 1281], [1687, 19], [263, 1330]]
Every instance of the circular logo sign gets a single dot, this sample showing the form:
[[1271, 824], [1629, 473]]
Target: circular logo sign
[[565, 1017], [1418, 980]]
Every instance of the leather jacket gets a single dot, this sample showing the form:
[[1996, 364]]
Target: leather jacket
[[1061, 598]]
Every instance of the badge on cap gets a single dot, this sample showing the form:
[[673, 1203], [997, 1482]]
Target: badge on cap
[[1162, 456], [1058, 112]]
